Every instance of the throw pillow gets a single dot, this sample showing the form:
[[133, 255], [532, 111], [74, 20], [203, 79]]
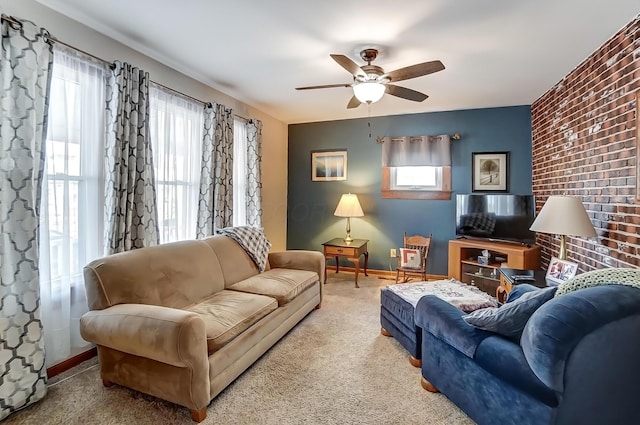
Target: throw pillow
[[612, 276], [410, 258], [509, 319]]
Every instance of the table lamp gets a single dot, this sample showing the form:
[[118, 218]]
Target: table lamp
[[564, 216], [349, 206]]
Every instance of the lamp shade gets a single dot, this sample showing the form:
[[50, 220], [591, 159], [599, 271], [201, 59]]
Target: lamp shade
[[564, 215], [349, 206], [369, 92]]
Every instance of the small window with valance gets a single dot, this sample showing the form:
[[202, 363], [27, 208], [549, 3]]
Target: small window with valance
[[416, 167]]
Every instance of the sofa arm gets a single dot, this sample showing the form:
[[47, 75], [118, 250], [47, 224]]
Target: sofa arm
[[312, 261], [168, 335], [555, 330], [445, 322]]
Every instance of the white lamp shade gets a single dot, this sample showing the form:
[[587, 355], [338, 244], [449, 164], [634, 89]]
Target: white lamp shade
[[369, 92], [564, 215], [349, 206]]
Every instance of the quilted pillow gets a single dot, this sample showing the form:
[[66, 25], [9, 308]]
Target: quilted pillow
[[410, 258], [612, 276], [509, 319]]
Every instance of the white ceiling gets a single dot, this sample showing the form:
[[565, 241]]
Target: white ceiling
[[496, 52]]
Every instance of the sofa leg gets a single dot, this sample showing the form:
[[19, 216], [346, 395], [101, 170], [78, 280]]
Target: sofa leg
[[317, 307], [384, 332], [415, 362], [199, 415], [107, 383], [428, 386]]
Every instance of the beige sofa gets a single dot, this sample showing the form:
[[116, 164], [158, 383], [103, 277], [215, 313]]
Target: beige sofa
[[181, 321]]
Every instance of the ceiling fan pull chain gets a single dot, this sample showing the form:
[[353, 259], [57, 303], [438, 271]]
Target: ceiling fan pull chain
[[369, 119]]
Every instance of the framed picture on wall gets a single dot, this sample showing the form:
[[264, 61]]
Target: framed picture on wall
[[560, 270], [328, 166], [490, 172]]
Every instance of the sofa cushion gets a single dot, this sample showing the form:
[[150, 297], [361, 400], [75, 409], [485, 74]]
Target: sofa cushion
[[175, 275], [227, 314], [510, 319], [234, 261], [281, 284], [505, 360]]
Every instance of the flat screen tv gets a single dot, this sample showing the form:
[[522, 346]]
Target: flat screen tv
[[499, 217]]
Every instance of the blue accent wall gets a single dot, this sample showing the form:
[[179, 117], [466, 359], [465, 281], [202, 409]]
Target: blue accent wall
[[310, 205]]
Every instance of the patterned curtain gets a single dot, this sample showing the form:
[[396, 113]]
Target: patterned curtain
[[131, 214], [25, 72], [254, 182], [215, 206]]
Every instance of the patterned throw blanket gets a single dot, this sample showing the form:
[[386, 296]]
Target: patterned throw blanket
[[609, 276], [252, 240], [466, 297]]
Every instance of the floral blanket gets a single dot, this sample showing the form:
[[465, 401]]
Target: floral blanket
[[465, 297]]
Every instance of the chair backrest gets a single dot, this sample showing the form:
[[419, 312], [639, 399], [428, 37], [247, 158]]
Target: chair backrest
[[421, 243]]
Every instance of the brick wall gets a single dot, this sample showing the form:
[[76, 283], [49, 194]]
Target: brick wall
[[584, 145]]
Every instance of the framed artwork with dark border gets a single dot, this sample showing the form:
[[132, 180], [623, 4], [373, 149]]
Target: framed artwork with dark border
[[490, 172], [328, 166], [560, 270]]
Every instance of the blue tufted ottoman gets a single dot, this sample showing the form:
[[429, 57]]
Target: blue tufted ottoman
[[398, 302]]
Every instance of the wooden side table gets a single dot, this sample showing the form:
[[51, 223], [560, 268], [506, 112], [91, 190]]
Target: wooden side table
[[510, 277], [337, 247]]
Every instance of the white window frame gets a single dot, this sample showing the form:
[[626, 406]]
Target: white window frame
[[396, 176], [239, 172], [390, 189]]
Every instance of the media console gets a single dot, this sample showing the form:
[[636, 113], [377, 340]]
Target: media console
[[465, 267]]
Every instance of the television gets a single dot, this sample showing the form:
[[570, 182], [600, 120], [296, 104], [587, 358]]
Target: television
[[498, 218]]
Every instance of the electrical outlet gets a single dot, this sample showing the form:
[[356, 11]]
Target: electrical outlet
[[392, 253]]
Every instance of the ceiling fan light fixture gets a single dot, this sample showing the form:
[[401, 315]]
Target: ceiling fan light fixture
[[369, 91]]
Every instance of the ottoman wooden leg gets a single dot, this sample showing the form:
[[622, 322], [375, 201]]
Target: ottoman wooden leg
[[384, 332], [415, 362], [428, 385]]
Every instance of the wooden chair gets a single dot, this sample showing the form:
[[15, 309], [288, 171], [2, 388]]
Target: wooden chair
[[420, 243]]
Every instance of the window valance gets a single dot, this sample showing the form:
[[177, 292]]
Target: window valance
[[416, 151]]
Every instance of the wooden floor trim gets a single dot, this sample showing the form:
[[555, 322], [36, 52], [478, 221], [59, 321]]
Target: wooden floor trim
[[65, 365]]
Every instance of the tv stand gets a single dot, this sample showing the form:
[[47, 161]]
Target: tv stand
[[464, 265]]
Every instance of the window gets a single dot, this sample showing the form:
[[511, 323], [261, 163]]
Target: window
[[424, 182], [239, 172], [176, 131], [416, 178], [416, 167], [71, 221]]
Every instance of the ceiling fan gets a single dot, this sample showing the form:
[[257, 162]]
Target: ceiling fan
[[370, 82]]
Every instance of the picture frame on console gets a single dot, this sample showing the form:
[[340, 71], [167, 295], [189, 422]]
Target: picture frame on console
[[328, 165], [490, 172], [560, 271]]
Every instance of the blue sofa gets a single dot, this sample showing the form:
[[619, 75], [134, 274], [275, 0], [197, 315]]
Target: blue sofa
[[576, 363]]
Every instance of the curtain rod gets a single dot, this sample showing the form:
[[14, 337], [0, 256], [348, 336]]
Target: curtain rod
[[455, 136], [53, 39]]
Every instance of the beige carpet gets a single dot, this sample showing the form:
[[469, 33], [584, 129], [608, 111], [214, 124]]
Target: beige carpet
[[333, 368]]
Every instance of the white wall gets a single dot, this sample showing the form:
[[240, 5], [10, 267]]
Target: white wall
[[274, 134]]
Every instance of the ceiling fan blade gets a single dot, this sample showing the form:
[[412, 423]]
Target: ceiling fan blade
[[353, 103], [405, 93], [349, 65], [326, 86], [414, 71]]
